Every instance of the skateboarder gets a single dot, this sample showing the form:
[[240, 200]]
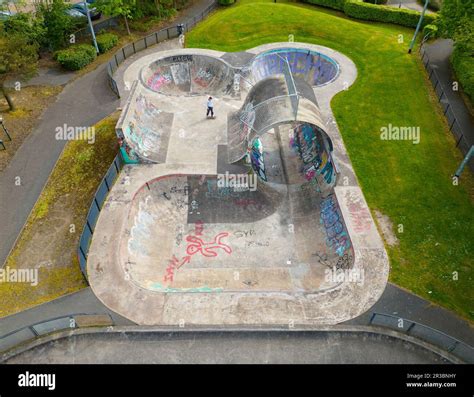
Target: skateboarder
[[210, 108]]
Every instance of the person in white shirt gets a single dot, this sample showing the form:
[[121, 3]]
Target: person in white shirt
[[210, 107]]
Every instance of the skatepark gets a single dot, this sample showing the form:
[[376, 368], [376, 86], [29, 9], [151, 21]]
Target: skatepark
[[253, 217]]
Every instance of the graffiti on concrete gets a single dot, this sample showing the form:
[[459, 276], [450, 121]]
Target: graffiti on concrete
[[142, 227], [337, 237], [315, 68], [141, 131], [256, 158], [310, 145], [359, 213], [203, 77], [207, 249], [215, 191], [158, 79], [197, 245]]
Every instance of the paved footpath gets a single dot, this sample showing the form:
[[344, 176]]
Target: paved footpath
[[439, 53]]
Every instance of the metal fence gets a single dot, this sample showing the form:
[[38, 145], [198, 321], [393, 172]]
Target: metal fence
[[71, 321], [148, 41], [94, 210], [105, 24], [454, 126], [425, 333]]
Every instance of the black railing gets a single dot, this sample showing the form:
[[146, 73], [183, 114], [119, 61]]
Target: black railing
[[433, 336], [94, 211], [448, 111]]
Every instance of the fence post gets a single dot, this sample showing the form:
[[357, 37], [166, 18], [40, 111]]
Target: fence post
[[452, 124], [372, 318], [89, 226], [82, 252], [455, 344], [446, 110], [442, 93]]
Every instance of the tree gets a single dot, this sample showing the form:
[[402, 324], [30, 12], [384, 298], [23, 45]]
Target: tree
[[18, 57], [57, 23], [27, 25], [118, 8]]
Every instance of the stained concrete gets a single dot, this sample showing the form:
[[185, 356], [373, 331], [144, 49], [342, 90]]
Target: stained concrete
[[327, 346], [126, 256]]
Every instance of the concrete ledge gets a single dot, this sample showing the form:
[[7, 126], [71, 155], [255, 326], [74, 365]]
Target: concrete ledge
[[361, 331]]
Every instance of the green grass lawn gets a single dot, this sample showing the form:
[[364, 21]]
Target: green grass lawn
[[47, 235], [410, 183]]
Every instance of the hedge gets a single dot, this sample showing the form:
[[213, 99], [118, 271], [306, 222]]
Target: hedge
[[335, 4], [106, 41], [372, 12], [76, 57], [462, 60], [226, 2]]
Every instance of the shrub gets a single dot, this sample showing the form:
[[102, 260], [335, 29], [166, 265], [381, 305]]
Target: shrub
[[76, 57], [57, 24], [226, 2], [372, 12], [376, 1], [335, 4], [106, 41], [462, 60], [431, 31]]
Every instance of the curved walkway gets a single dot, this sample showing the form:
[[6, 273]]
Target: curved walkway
[[338, 345]]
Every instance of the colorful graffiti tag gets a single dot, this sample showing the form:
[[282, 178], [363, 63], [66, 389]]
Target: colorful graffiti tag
[[309, 143], [314, 68], [337, 237], [256, 158], [140, 131], [197, 245]]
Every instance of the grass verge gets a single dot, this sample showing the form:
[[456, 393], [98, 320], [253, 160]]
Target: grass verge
[[50, 237]]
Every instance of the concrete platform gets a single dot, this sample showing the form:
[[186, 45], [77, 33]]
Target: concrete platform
[[169, 248]]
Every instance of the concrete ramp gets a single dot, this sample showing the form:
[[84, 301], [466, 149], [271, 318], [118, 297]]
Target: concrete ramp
[[313, 67], [189, 74]]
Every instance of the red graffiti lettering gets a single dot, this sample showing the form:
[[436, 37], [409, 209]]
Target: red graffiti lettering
[[207, 249]]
